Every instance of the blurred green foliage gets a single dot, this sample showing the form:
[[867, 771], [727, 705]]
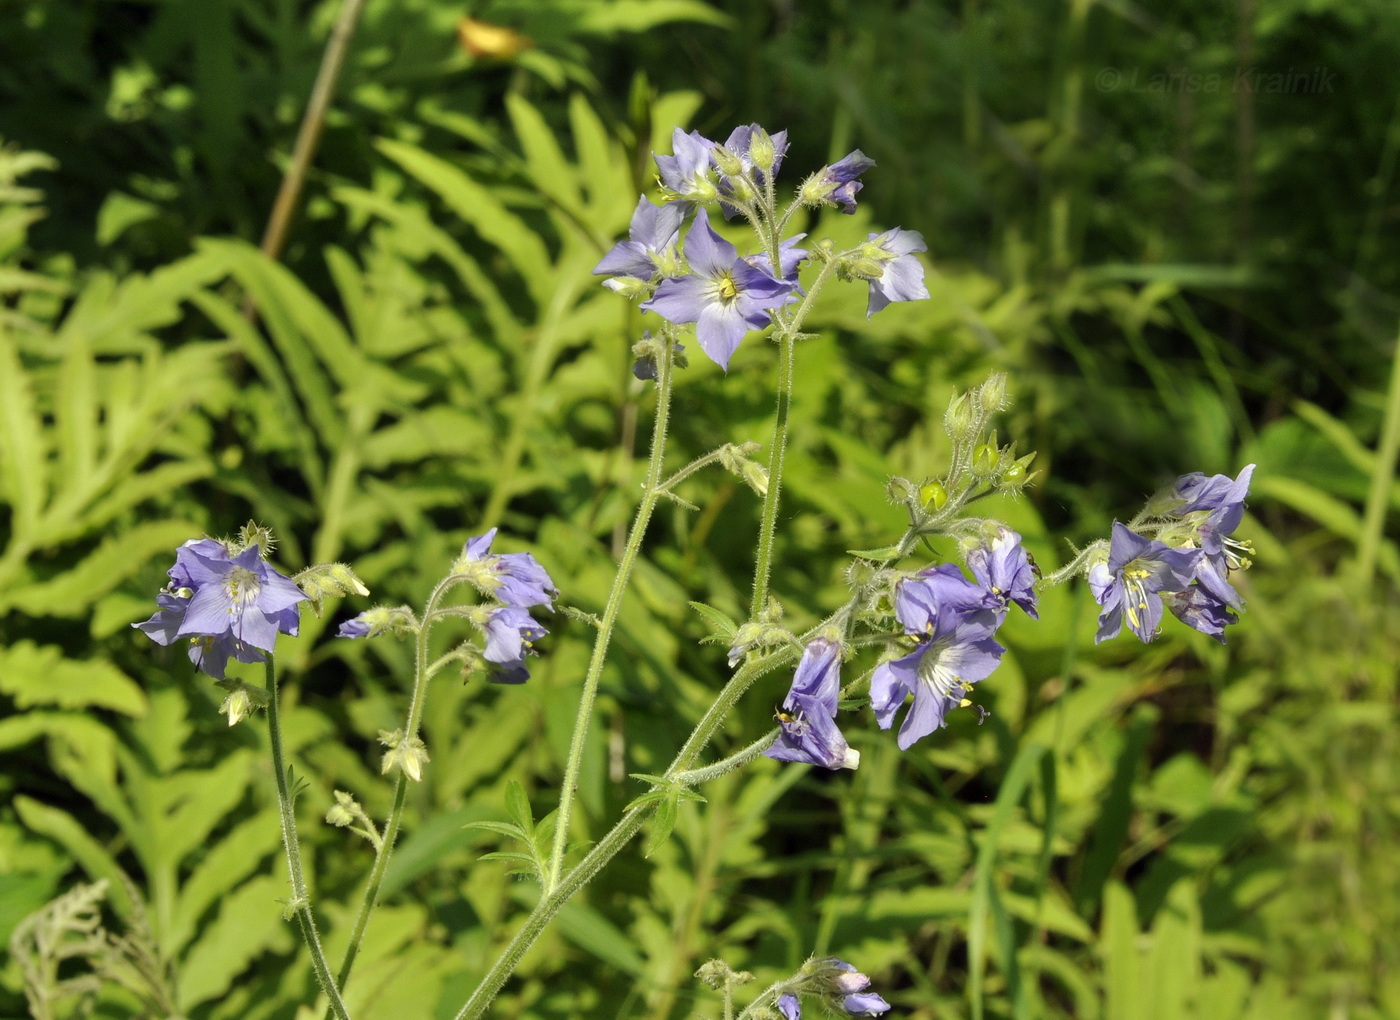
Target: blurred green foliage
[[1175, 278]]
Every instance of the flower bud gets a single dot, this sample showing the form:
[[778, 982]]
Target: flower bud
[[761, 150], [959, 420], [899, 490], [984, 460], [727, 162], [237, 706], [343, 811], [932, 495], [991, 396]]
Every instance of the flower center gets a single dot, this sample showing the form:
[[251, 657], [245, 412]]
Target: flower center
[[243, 587], [938, 675], [726, 288], [1134, 590]]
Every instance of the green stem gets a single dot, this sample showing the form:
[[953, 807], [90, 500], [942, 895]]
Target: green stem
[[594, 674], [608, 847], [301, 900], [763, 566], [549, 905], [421, 673], [1381, 477], [376, 879]]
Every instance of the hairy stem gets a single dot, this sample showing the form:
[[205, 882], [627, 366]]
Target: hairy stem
[[651, 493], [763, 566], [301, 901], [421, 673]]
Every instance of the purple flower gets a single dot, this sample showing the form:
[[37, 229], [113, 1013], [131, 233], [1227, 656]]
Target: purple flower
[[865, 1004], [1221, 500], [921, 596], [510, 632], [850, 985], [644, 368], [789, 258], [808, 719], [651, 248], [1200, 610], [687, 172], [723, 295], [903, 275], [1003, 568], [1198, 492], [837, 184], [356, 628], [517, 579], [955, 650], [229, 606], [1130, 583], [789, 1006]]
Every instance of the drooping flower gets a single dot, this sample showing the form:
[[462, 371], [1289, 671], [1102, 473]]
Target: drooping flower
[[789, 1007], [1218, 502], [837, 184], [807, 722], [723, 295], [229, 605], [686, 173], [510, 633], [1003, 568], [649, 251], [1131, 581], [955, 650], [648, 350], [902, 275], [517, 579], [1200, 610], [849, 985], [355, 628]]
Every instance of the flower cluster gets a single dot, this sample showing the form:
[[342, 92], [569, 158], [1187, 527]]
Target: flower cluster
[[951, 621], [705, 281], [1185, 568], [840, 986], [515, 582], [227, 601]]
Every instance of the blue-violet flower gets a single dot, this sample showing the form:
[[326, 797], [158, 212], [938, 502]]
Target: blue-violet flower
[[723, 295], [808, 730], [510, 633], [903, 275], [1003, 567], [955, 650], [517, 579], [650, 250], [836, 184], [1131, 581], [229, 606]]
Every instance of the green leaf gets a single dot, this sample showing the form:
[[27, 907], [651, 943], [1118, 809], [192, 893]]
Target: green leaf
[[479, 206], [1018, 777], [595, 934], [23, 461], [67, 832], [718, 621], [230, 860], [662, 822], [518, 808], [248, 923], [35, 675], [119, 557]]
